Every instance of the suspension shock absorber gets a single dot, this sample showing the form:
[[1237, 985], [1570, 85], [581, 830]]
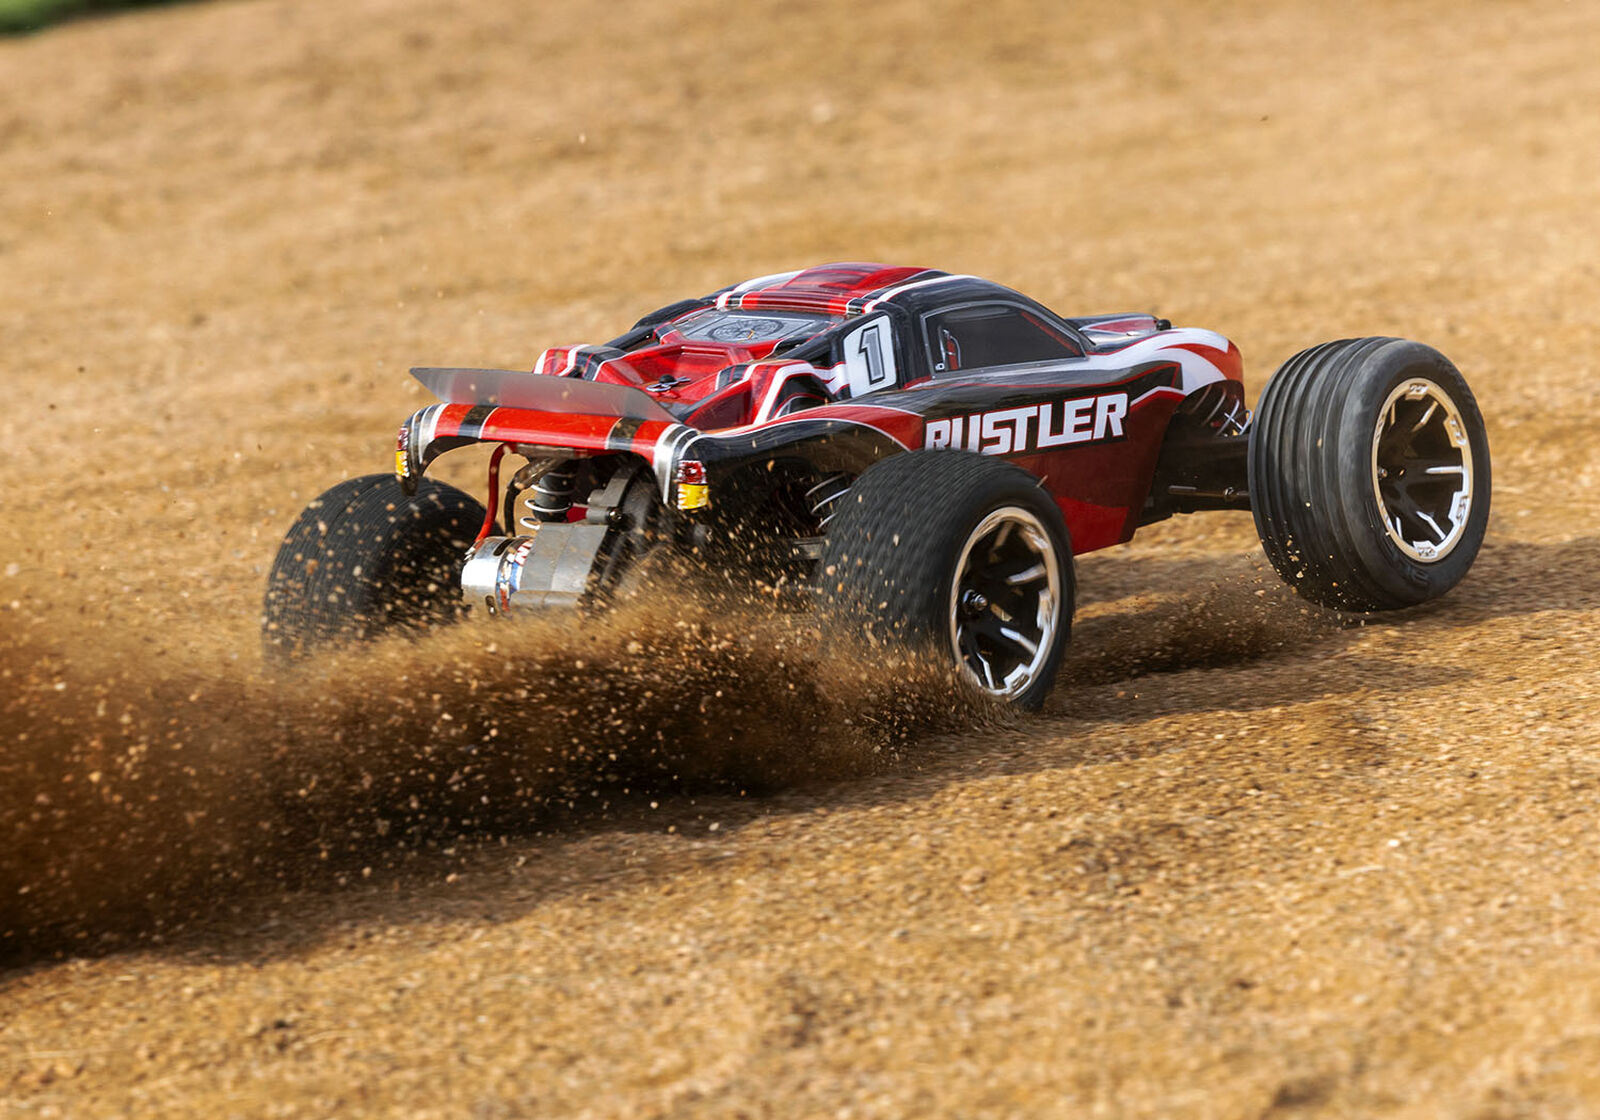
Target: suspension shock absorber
[[553, 484], [824, 496]]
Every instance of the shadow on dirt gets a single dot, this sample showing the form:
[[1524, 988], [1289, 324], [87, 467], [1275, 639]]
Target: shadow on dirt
[[1509, 578], [150, 798]]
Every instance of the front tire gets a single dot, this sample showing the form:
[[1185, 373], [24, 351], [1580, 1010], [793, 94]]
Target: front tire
[[364, 559], [1369, 474], [961, 555]]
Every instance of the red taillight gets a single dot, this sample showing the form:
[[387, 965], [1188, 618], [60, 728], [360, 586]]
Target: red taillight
[[693, 493]]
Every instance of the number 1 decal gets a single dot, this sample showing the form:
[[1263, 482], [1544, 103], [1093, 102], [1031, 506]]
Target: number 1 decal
[[871, 349], [869, 358]]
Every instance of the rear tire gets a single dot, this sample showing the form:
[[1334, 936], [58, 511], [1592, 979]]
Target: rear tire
[[961, 555], [364, 559], [1369, 474]]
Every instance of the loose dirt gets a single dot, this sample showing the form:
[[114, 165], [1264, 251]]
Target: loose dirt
[[1253, 859]]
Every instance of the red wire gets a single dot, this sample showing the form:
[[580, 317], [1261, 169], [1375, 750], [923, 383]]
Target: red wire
[[494, 493]]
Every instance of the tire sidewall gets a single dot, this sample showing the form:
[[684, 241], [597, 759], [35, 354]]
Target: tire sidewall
[[1029, 496], [1400, 576], [364, 559], [911, 550]]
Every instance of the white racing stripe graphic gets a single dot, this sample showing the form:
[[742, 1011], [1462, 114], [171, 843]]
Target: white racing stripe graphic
[[820, 413], [903, 288], [809, 416], [543, 366], [782, 377], [1158, 391], [1198, 371], [664, 456], [428, 426], [738, 290]]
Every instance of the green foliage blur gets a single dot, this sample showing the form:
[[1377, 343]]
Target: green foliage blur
[[20, 16]]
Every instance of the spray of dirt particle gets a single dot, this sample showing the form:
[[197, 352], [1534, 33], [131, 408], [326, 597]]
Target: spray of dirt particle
[[156, 778], [144, 785]]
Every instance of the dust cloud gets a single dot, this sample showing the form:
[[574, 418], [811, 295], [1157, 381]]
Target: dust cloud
[[151, 778], [163, 779]]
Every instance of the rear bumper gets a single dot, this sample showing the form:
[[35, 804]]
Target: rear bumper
[[431, 431]]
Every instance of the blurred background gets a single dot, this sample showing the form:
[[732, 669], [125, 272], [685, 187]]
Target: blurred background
[[234, 225]]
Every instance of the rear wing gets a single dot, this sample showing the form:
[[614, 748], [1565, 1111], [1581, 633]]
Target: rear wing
[[535, 413], [512, 388]]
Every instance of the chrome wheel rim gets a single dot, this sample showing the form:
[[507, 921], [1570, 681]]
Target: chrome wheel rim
[[1005, 602], [1422, 470]]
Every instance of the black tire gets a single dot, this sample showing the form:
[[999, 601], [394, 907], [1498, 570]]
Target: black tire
[[364, 559], [1369, 474], [917, 537]]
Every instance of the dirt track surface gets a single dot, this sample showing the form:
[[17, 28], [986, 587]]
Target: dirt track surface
[[1251, 861]]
